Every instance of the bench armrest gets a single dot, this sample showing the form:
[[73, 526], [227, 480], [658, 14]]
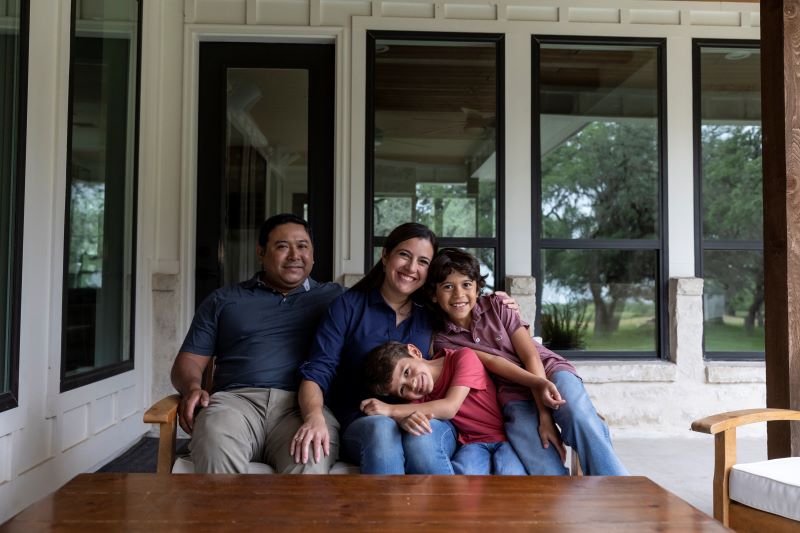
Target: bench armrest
[[733, 419], [165, 414]]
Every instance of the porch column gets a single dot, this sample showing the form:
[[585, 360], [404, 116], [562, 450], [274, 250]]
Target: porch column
[[780, 68], [523, 289]]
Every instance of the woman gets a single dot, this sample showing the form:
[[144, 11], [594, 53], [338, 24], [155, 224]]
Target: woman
[[384, 306]]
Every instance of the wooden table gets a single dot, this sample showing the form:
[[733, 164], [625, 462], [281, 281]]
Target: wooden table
[[491, 504]]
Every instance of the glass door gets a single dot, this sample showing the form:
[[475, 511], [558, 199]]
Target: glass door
[[265, 146]]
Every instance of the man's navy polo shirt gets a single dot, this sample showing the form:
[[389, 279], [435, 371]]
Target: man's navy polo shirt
[[258, 335]]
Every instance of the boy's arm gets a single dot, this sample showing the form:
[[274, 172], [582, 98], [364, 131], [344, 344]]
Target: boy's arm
[[542, 388], [443, 409], [545, 396], [500, 366], [527, 352]]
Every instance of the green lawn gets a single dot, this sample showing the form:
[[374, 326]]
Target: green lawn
[[730, 336], [634, 334], [638, 334]]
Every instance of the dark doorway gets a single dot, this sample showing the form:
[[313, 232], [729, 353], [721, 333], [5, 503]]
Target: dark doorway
[[265, 146]]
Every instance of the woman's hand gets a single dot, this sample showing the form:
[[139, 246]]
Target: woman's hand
[[546, 394], [373, 406], [550, 435], [508, 301], [416, 423]]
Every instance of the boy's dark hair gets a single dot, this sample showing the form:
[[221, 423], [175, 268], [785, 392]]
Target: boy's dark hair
[[443, 264], [448, 260], [379, 366], [278, 220]]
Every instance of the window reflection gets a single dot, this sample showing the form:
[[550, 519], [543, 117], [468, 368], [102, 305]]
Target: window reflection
[[599, 142], [733, 301], [436, 137], [266, 169], [100, 194], [600, 247], [599, 300], [730, 183], [12, 123]]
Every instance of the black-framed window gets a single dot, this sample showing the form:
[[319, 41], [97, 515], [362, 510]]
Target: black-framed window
[[13, 97], [599, 186], [728, 197], [100, 219], [434, 132]]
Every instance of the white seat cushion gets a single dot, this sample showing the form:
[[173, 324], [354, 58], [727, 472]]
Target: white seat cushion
[[772, 486], [184, 465]]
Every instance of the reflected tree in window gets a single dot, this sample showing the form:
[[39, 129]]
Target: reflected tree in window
[[599, 185], [600, 174], [729, 180]]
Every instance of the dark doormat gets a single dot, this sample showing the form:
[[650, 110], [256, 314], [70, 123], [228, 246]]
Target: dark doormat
[[142, 457]]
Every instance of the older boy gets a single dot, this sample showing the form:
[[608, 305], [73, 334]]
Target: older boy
[[503, 343], [452, 386]]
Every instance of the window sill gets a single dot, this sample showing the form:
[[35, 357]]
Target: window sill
[[736, 372], [626, 371]]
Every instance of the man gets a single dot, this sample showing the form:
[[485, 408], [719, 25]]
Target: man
[[260, 331]]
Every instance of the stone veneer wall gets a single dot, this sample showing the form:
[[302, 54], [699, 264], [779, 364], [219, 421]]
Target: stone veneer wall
[[637, 398], [166, 337]]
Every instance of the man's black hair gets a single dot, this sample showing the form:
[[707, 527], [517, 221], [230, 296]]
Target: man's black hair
[[278, 220]]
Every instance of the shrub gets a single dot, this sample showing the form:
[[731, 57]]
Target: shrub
[[564, 326]]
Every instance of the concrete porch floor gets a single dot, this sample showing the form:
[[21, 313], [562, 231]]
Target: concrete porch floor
[[683, 466]]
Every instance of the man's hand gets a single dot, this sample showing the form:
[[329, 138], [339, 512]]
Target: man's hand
[[196, 399], [373, 406], [546, 394], [417, 423], [549, 434], [312, 435]]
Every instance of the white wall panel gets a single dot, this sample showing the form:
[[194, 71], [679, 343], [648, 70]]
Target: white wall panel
[[407, 9], [33, 446], [74, 426], [470, 11], [5, 458], [103, 413], [592, 14], [715, 18], [532, 13], [288, 12], [127, 402], [655, 16], [339, 12], [218, 11]]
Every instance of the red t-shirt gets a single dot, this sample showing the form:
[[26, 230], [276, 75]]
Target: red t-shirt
[[479, 419]]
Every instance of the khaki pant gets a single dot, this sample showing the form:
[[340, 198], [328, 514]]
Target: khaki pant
[[245, 425]]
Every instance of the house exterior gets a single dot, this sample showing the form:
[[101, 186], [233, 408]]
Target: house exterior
[[560, 141]]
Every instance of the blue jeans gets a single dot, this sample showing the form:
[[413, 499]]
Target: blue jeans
[[484, 458], [580, 426], [379, 446]]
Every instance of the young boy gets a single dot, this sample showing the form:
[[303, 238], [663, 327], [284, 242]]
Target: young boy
[[503, 343], [452, 386]]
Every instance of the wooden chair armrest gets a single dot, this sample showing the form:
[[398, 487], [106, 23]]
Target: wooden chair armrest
[[165, 414], [165, 411], [733, 419]]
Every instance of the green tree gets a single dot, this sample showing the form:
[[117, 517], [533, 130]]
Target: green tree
[[602, 183], [732, 210]]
